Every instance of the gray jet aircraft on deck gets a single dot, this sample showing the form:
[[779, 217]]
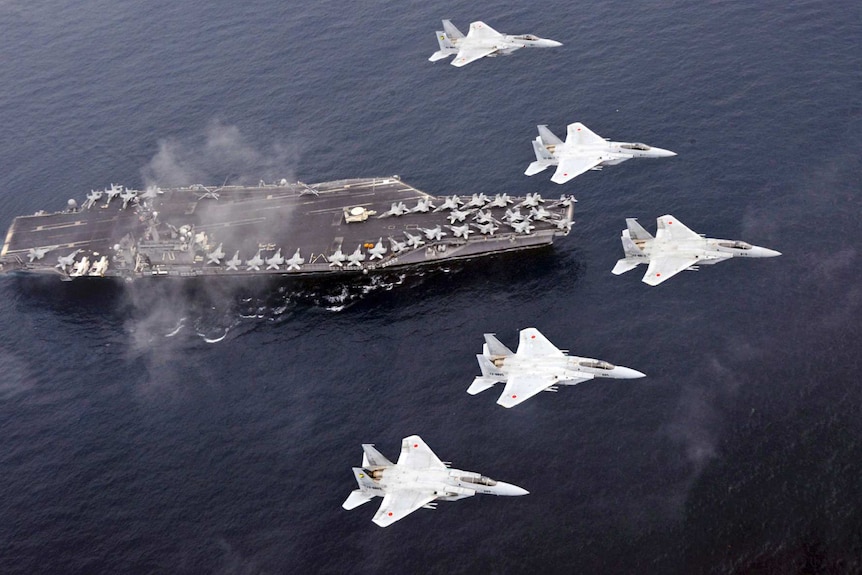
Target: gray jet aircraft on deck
[[537, 366], [417, 480], [676, 248], [482, 41], [582, 151]]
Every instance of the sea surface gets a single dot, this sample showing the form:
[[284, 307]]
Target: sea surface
[[193, 428]]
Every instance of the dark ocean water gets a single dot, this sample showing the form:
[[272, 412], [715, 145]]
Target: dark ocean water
[[191, 428]]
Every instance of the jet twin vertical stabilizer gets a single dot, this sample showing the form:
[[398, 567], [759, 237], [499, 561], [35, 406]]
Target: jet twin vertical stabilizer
[[373, 458], [495, 347], [637, 231], [548, 137]]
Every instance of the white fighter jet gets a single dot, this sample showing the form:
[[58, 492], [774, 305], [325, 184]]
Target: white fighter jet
[[482, 41], [378, 251], [100, 267], [676, 248], [537, 366], [233, 263], [216, 256], [583, 150], [65, 261], [461, 231], [414, 241], [338, 258], [254, 263], [356, 258], [417, 480], [276, 260], [295, 261]]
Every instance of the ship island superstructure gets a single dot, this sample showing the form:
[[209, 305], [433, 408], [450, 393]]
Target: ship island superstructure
[[349, 226]]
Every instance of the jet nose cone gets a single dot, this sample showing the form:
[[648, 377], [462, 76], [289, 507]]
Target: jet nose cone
[[628, 373], [662, 153], [509, 490], [765, 252], [551, 44]]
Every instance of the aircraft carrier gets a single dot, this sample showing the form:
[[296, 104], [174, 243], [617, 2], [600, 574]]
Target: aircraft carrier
[[342, 227]]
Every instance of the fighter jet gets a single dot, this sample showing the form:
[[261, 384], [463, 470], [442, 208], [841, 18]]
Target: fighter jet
[[233, 263], [276, 260], [254, 263], [397, 247], [356, 258], [482, 41], [422, 206], [487, 229], [532, 200], [34, 254], [417, 480], [523, 227], [295, 261], [338, 258], [378, 251], [461, 231], [397, 209], [113, 192], [80, 268], [501, 201], [128, 195], [537, 366], [450, 203], [477, 201], [676, 248], [583, 150], [215, 256], [435, 233], [100, 267], [93, 197], [483, 217], [457, 216], [414, 241], [65, 261]]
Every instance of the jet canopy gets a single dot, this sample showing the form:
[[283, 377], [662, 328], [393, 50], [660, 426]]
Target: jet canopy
[[481, 480], [597, 364], [635, 146], [527, 37], [735, 245]]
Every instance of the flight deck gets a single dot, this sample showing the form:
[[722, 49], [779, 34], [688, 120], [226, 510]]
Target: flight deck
[[349, 226]]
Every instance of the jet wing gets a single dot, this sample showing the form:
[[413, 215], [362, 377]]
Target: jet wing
[[579, 135], [471, 54], [399, 504], [663, 268], [533, 343], [481, 31], [573, 166], [522, 387], [415, 454], [671, 228]]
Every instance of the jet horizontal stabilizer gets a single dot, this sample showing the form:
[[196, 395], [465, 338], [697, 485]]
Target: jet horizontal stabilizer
[[480, 384], [624, 265], [355, 499]]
